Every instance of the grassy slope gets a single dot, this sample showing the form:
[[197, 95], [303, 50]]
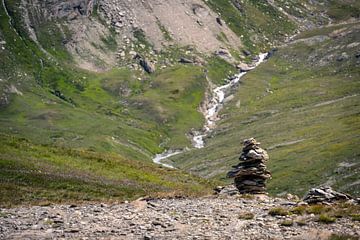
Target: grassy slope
[[303, 105], [84, 119], [92, 101], [260, 25], [256, 22], [98, 115], [38, 174]]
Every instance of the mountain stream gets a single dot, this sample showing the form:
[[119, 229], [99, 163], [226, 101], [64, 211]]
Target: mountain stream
[[213, 107]]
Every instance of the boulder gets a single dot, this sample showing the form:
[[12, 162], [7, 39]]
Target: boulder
[[325, 195], [270, 53], [224, 54], [226, 190], [244, 67], [246, 52], [147, 65], [185, 60]]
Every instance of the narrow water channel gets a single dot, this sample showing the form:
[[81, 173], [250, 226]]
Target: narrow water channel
[[214, 105]]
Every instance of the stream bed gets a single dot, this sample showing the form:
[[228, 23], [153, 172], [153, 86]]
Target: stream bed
[[213, 107]]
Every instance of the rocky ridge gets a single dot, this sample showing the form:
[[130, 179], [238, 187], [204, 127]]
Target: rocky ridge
[[214, 217]]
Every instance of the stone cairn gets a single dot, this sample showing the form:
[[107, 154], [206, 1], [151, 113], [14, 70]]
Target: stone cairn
[[250, 174]]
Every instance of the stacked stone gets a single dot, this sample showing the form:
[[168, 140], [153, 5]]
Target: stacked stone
[[251, 174]]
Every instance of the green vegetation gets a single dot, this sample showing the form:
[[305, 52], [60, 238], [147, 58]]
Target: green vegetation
[[301, 222], [141, 38], [355, 217], [167, 35], [34, 174], [324, 218], [279, 211], [246, 215], [342, 10], [69, 134], [318, 209], [299, 210], [343, 237], [302, 105], [219, 70], [222, 37], [90, 136], [52, 37], [287, 223], [255, 22], [172, 101], [325, 212], [110, 41]]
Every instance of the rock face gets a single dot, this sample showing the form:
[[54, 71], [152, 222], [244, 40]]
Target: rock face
[[69, 9], [74, 7], [324, 195], [250, 174]]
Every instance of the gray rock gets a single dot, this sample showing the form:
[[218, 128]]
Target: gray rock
[[185, 60], [324, 195], [244, 67], [343, 57], [224, 53], [70, 9], [147, 66], [246, 52]]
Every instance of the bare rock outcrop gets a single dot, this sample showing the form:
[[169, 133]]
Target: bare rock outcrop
[[325, 195]]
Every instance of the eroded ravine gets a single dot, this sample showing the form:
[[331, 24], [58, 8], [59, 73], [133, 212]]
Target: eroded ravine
[[213, 106]]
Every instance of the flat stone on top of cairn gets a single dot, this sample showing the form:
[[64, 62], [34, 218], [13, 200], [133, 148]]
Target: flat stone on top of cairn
[[250, 174]]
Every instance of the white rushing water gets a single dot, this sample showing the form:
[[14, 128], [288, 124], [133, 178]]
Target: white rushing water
[[216, 104], [211, 114], [158, 157]]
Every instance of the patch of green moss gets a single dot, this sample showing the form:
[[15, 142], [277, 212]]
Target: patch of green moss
[[287, 223], [324, 218], [110, 41], [278, 211], [219, 70], [166, 34]]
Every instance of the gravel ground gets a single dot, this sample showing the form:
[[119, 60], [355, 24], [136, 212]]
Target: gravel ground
[[203, 218]]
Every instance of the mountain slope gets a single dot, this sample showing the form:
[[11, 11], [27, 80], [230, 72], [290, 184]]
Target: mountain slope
[[128, 78], [303, 106]]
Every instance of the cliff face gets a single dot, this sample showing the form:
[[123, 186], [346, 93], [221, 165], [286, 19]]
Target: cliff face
[[59, 8]]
